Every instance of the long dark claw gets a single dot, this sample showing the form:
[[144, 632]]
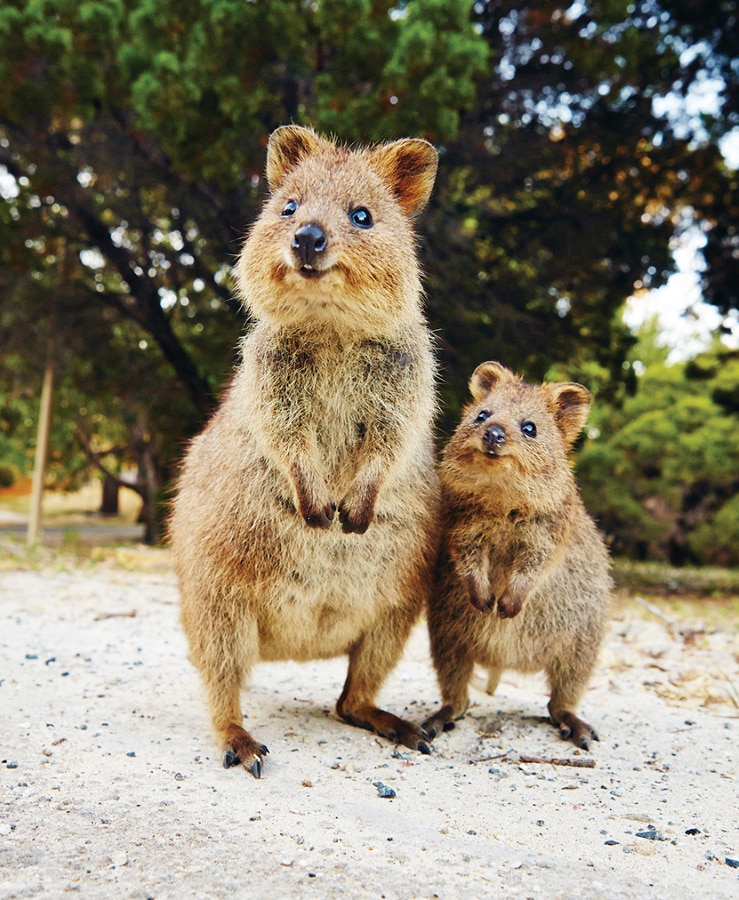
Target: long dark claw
[[230, 759], [587, 738], [256, 768], [424, 748]]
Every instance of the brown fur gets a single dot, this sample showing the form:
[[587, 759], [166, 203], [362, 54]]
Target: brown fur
[[325, 432], [524, 574]]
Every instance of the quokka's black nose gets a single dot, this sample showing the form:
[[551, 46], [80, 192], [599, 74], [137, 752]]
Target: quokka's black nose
[[494, 436], [309, 241]]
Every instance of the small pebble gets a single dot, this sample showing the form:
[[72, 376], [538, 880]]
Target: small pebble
[[651, 834], [693, 831], [12, 764], [131, 753], [31, 655], [383, 790], [734, 863], [611, 843]]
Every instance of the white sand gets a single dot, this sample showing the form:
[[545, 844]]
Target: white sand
[[111, 785]]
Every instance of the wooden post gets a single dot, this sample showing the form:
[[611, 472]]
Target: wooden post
[[39, 466]]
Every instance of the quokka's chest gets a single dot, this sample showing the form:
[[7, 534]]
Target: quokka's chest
[[338, 384]]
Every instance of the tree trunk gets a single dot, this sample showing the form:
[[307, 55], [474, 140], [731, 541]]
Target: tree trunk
[[42, 443], [109, 505]]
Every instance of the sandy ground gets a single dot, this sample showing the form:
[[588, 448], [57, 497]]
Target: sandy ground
[[111, 786]]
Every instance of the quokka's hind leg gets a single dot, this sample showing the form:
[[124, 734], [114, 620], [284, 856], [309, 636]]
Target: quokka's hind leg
[[493, 680], [455, 700], [238, 746], [567, 685], [454, 666], [224, 652], [371, 659]]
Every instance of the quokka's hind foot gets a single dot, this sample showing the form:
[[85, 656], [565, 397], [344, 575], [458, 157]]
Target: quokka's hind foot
[[388, 725], [573, 728], [240, 748], [441, 720]]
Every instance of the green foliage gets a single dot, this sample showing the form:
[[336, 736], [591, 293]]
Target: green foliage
[[660, 473], [716, 541], [133, 135]]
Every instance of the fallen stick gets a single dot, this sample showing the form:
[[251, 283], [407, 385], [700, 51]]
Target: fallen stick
[[650, 607], [491, 758], [111, 615], [578, 762]]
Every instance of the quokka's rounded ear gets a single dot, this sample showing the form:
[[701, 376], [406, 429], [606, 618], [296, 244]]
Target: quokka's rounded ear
[[287, 146], [409, 167], [570, 405], [485, 376]]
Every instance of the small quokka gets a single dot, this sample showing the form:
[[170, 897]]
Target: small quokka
[[524, 576], [325, 433]]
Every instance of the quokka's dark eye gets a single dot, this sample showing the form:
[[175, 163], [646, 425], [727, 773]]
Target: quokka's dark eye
[[482, 416], [290, 208], [361, 217], [529, 429]]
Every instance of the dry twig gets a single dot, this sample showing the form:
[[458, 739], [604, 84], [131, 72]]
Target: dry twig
[[131, 614], [577, 761]]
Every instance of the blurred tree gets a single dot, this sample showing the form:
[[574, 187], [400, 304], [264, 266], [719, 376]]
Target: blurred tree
[[569, 177], [660, 472], [109, 414], [133, 133]]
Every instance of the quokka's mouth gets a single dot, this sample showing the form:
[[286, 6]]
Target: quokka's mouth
[[310, 272], [494, 453]]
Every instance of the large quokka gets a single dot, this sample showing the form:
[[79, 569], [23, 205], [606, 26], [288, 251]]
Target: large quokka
[[523, 577], [325, 432]]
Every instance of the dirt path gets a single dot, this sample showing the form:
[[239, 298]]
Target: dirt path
[[110, 785]]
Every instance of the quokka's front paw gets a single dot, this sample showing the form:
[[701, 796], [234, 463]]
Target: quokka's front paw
[[480, 595], [315, 504], [509, 605], [357, 510], [319, 516]]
